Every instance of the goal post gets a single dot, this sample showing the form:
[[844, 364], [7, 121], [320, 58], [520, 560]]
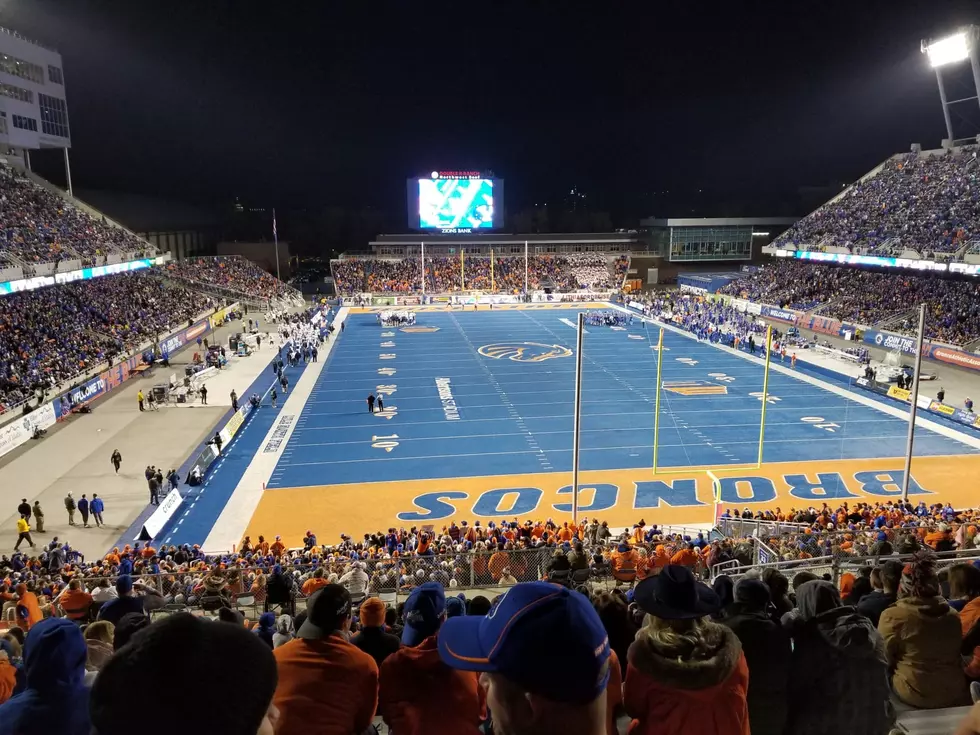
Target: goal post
[[658, 469]]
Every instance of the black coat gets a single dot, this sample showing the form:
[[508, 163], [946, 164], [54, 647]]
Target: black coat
[[874, 604], [376, 643], [767, 652]]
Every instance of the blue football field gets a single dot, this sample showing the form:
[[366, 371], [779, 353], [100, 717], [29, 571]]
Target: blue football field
[[491, 393]]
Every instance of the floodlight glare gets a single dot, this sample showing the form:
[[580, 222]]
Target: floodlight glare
[[948, 50]]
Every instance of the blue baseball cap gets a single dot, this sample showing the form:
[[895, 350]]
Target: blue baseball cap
[[534, 621], [423, 610]]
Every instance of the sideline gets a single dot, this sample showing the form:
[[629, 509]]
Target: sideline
[[234, 518], [920, 421]]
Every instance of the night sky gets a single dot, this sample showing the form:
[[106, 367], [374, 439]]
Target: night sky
[[728, 106]]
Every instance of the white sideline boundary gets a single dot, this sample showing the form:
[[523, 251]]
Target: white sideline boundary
[[228, 530], [920, 421]]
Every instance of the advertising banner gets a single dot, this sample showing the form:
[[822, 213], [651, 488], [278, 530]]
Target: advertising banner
[[164, 512], [779, 315], [83, 274], [942, 408], [17, 432], [888, 341], [899, 393], [383, 301], [952, 356], [185, 337]]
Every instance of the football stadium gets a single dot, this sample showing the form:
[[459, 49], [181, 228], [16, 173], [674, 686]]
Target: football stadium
[[722, 470]]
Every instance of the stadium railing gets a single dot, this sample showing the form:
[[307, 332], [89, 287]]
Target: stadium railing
[[742, 527], [476, 573], [835, 565]]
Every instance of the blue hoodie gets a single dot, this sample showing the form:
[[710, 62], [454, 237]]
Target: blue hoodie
[[55, 700], [267, 627]]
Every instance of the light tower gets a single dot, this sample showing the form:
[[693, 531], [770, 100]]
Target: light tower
[[964, 45]]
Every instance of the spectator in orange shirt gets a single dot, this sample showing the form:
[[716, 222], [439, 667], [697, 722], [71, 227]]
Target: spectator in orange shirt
[[314, 583], [278, 547], [28, 610], [75, 601], [532, 622], [323, 678], [686, 557], [498, 562], [419, 693], [8, 672]]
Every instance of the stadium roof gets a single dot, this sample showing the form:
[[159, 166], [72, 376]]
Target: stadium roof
[[720, 222]]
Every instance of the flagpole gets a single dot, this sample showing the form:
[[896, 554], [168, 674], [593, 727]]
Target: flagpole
[[492, 283], [275, 236], [423, 269], [525, 268], [462, 275]]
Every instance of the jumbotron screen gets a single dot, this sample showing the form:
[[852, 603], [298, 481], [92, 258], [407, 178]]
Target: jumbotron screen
[[455, 202]]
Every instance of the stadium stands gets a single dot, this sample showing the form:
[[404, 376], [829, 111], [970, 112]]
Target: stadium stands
[[232, 273], [865, 297], [41, 227], [51, 335], [443, 274], [928, 203]]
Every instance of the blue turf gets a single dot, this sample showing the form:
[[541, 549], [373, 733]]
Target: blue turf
[[516, 417]]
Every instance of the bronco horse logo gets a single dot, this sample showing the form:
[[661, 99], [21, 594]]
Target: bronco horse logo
[[524, 351]]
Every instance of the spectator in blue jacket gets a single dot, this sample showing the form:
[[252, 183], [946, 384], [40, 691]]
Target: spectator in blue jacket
[[96, 507], [55, 700]]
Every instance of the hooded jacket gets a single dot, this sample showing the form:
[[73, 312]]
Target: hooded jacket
[[420, 695], [923, 636], [55, 700], [838, 657], [767, 652], [285, 631], [266, 629], [669, 689]]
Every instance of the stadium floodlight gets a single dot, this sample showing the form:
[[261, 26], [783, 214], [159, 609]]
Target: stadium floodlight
[[948, 50], [964, 45]]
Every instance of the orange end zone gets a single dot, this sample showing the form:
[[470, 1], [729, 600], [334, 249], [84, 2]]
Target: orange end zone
[[620, 497]]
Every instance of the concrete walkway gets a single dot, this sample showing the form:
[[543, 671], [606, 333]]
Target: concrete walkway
[[74, 456]]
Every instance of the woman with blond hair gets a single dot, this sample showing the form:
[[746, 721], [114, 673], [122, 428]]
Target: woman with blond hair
[[683, 668], [98, 640]]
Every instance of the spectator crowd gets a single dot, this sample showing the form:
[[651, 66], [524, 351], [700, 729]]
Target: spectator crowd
[[41, 227], [927, 203], [445, 274], [51, 335], [757, 655], [867, 297], [233, 273]]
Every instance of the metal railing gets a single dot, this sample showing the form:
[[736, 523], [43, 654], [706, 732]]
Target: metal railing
[[743, 527], [834, 565]]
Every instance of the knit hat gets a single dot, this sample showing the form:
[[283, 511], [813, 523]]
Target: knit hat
[[128, 626], [455, 606], [919, 578], [124, 584], [372, 613], [164, 653]]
